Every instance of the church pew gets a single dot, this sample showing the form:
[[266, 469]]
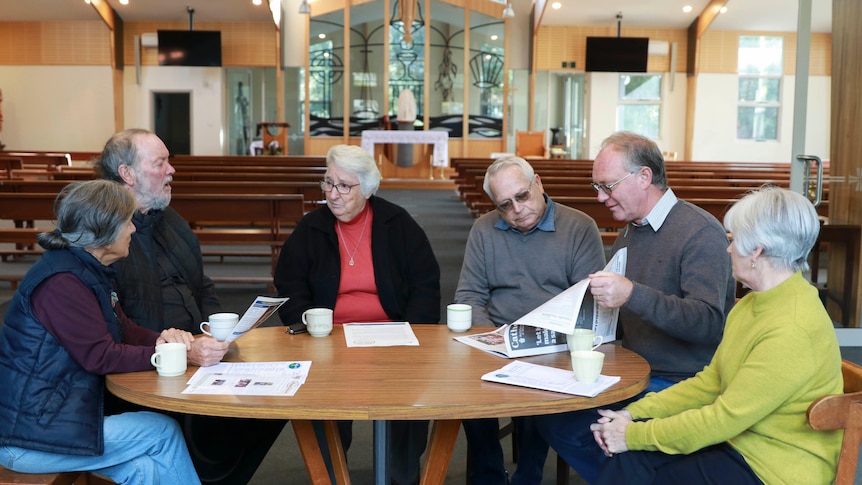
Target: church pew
[[217, 219]]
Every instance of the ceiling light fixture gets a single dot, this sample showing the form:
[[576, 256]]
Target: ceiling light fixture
[[556, 5], [124, 2], [508, 12], [723, 10], [304, 9], [686, 9], [257, 2]]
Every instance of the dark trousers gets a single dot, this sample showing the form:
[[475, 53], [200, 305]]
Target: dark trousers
[[486, 466], [570, 436], [407, 442], [716, 465]]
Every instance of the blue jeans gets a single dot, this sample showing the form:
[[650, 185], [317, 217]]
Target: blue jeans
[[140, 447], [570, 436], [486, 453]]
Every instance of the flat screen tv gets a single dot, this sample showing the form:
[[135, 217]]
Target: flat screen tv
[[617, 54], [189, 48]]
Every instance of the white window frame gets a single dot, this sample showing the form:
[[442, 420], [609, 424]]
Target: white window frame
[[623, 102], [762, 104]]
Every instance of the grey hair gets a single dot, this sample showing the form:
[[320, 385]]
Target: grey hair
[[638, 152], [89, 214], [783, 223], [357, 161], [120, 149], [504, 163]]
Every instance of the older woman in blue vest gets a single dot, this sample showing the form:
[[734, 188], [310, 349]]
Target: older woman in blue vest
[[63, 332]]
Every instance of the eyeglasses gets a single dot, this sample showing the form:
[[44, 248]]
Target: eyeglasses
[[520, 198], [607, 189], [327, 186]]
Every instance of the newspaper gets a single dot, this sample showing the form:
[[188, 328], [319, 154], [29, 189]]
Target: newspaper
[[258, 312], [379, 334], [544, 330], [525, 374], [250, 378]]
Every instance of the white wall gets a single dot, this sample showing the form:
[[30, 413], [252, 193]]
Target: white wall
[[64, 108], [207, 95], [715, 122], [602, 93]]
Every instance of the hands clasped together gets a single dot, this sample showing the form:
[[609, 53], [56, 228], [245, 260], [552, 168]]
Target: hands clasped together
[[202, 350], [610, 431]]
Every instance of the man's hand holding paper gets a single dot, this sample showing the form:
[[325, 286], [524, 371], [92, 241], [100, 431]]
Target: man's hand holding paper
[[610, 290]]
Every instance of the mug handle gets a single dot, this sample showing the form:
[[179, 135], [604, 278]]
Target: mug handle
[[304, 321], [205, 330], [155, 360], [600, 339]]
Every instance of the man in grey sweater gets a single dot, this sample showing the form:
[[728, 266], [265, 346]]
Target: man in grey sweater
[[676, 293], [521, 255]]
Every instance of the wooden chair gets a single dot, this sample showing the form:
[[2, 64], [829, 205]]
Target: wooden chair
[[530, 144], [842, 411]]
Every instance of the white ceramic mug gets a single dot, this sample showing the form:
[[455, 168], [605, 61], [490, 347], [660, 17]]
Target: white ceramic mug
[[587, 365], [318, 321], [583, 339], [459, 317], [170, 359], [220, 325]]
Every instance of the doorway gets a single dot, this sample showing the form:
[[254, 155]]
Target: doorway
[[172, 121], [567, 94]]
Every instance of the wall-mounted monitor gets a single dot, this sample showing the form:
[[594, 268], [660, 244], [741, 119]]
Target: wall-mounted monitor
[[189, 48], [617, 54]]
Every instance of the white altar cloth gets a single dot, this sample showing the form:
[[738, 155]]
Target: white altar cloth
[[440, 140]]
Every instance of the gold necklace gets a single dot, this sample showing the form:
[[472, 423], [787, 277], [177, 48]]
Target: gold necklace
[[358, 242]]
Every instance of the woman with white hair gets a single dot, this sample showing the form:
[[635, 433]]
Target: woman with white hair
[[742, 419], [368, 260]]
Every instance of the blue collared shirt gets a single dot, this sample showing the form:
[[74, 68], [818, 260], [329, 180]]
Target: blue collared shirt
[[546, 224]]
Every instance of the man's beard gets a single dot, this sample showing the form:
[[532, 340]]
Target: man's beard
[[154, 201]]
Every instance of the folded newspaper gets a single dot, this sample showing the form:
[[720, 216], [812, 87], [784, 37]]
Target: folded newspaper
[[544, 330], [258, 312], [525, 374]]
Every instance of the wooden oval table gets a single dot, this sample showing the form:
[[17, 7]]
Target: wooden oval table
[[439, 380]]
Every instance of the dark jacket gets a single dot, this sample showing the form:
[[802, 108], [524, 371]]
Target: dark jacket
[[48, 402], [405, 269], [164, 239]]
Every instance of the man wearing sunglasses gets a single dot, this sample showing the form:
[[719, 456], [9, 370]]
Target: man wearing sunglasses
[[519, 256], [675, 295]]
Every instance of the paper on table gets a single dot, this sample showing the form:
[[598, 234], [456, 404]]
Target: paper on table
[[525, 374], [379, 334], [258, 312], [250, 378]]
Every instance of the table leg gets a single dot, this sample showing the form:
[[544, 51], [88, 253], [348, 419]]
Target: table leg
[[336, 453], [381, 452], [444, 433], [313, 458]]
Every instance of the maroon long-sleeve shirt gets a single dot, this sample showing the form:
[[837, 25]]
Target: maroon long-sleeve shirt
[[70, 312]]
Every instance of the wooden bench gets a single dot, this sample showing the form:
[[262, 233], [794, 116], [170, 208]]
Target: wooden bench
[[309, 189], [844, 412], [209, 161], [8, 477], [8, 164], [217, 219]]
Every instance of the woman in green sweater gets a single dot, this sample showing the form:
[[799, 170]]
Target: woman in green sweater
[[742, 418]]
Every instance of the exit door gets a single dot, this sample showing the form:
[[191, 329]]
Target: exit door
[[172, 121]]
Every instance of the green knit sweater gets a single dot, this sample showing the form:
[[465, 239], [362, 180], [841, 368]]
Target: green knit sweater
[[779, 353]]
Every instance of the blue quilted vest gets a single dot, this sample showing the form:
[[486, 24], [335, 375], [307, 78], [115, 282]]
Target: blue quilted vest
[[48, 402]]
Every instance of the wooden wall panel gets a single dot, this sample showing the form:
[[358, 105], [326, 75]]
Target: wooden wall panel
[[252, 44], [845, 200], [82, 43], [558, 44], [719, 52]]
